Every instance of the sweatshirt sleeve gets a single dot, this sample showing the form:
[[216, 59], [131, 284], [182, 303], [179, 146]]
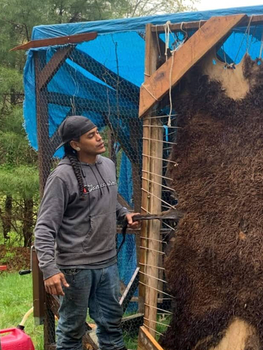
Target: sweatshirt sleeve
[[121, 212], [50, 216]]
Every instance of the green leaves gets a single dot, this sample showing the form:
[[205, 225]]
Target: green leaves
[[19, 182]]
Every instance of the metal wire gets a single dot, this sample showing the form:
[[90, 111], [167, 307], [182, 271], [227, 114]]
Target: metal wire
[[157, 308], [154, 182], [152, 329], [163, 324], [152, 239], [156, 267], [158, 290], [165, 160], [158, 175], [153, 250], [156, 278], [156, 140], [163, 201]]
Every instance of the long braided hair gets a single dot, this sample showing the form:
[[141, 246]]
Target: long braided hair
[[75, 163]]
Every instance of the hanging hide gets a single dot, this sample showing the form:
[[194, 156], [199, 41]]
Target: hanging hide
[[215, 269]]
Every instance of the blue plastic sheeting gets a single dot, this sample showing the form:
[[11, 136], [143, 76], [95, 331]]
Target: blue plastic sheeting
[[134, 24], [120, 48]]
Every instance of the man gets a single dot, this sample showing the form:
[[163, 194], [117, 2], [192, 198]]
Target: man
[[75, 237]]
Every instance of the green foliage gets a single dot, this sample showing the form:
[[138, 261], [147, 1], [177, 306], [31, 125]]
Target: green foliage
[[20, 181], [8, 255], [10, 79], [13, 241]]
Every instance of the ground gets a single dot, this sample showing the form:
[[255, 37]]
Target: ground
[[16, 258]]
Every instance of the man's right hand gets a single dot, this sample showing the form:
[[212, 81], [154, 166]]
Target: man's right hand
[[53, 284]]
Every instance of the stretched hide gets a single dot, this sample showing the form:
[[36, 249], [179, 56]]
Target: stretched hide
[[215, 269]]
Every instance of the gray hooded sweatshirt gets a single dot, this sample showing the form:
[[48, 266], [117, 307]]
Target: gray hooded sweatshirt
[[74, 232]]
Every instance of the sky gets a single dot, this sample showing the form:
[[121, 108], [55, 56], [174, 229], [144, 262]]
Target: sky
[[213, 4]]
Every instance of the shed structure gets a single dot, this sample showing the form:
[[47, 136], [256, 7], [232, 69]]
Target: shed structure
[[120, 74]]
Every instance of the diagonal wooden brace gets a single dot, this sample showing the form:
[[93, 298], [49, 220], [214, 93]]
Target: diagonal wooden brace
[[168, 75]]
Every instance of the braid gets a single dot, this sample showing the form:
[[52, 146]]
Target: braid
[[69, 152]]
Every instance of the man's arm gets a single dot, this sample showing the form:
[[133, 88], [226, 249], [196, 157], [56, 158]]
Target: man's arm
[[50, 216]]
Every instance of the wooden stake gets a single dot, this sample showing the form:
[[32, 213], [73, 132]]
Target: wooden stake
[[151, 57], [146, 341]]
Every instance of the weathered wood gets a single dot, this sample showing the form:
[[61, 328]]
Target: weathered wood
[[43, 141], [130, 289], [146, 341], [177, 27], [154, 246], [38, 291], [123, 86], [151, 57], [62, 40], [214, 30], [53, 65]]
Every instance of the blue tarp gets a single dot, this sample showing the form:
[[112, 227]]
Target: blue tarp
[[119, 48]]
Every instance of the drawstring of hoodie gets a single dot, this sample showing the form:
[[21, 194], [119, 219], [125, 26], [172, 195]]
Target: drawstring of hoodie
[[102, 178], [96, 180]]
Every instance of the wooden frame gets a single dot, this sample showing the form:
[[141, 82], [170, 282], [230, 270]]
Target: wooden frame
[[205, 38]]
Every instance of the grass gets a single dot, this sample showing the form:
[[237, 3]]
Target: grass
[[15, 301]]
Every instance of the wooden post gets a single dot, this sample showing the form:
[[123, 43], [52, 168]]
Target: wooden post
[[151, 194], [154, 246]]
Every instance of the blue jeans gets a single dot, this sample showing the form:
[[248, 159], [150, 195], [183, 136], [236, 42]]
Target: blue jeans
[[99, 291]]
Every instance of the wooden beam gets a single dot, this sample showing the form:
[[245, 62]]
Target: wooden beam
[[146, 341], [38, 291], [62, 40], [151, 58], [177, 27], [214, 30], [123, 86], [53, 65]]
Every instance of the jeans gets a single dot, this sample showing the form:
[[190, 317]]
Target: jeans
[[97, 290]]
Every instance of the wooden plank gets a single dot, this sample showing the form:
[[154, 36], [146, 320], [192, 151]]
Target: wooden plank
[[177, 27], [62, 40], [151, 58], [130, 290], [154, 246], [53, 65], [214, 30], [38, 291], [43, 141], [146, 341], [123, 86]]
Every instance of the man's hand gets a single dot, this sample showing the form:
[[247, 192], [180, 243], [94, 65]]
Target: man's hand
[[53, 284], [132, 224]]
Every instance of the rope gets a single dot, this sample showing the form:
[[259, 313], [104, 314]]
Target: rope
[[246, 31]]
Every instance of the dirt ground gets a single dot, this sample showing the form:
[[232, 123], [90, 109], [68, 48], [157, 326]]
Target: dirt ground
[[16, 258]]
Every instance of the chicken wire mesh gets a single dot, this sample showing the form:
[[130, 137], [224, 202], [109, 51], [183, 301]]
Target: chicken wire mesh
[[70, 82]]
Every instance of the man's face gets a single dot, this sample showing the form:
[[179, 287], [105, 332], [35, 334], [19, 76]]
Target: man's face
[[91, 143]]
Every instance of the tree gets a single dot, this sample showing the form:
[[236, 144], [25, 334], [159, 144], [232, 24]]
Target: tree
[[18, 170]]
